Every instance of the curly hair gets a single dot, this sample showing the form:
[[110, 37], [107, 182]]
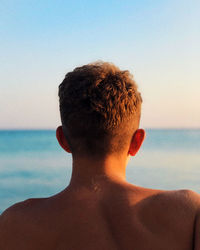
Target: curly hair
[[100, 108]]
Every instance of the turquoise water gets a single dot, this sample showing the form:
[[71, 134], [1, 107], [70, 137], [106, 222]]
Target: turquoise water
[[33, 165]]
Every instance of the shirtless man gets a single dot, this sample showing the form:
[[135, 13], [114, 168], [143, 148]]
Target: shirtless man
[[100, 112]]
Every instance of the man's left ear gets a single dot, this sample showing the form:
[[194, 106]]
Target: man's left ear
[[62, 140], [136, 141]]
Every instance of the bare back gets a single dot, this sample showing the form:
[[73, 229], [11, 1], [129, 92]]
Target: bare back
[[114, 217]]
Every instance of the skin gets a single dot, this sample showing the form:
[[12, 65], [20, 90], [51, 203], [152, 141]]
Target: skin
[[100, 210]]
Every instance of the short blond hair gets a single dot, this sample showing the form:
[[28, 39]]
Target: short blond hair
[[100, 108]]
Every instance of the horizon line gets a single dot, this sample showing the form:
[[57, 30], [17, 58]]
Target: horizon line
[[52, 129]]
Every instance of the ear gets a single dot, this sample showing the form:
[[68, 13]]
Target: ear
[[136, 141], [62, 140]]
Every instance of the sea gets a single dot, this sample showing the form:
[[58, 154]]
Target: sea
[[33, 165]]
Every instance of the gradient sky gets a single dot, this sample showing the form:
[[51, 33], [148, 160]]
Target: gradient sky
[[158, 41]]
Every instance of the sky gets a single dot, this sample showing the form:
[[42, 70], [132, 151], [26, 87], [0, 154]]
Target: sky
[[158, 41]]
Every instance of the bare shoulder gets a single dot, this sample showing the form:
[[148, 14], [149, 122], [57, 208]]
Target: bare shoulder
[[190, 202], [12, 212], [180, 201], [179, 207], [185, 197], [20, 210], [14, 220], [173, 213], [21, 207]]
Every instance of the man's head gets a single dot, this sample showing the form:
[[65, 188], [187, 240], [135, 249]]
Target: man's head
[[100, 109]]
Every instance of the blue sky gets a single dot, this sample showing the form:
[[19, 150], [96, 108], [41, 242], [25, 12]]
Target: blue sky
[[158, 41]]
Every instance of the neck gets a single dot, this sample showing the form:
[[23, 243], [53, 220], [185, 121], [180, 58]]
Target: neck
[[87, 171]]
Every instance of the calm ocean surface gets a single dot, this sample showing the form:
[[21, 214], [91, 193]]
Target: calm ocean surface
[[33, 165]]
